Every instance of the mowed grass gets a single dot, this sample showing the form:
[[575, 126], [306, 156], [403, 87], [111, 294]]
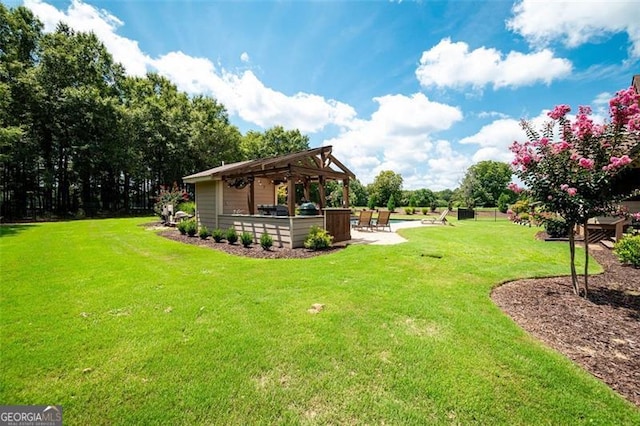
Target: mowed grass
[[121, 326]]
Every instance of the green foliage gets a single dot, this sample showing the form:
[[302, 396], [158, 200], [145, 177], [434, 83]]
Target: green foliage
[[318, 239], [173, 195], [266, 241], [413, 201], [391, 204], [192, 227], [386, 185], [188, 207], [409, 210], [218, 235], [628, 249], [204, 232], [373, 202], [182, 227], [484, 182], [520, 206], [505, 199], [246, 238], [273, 142], [556, 227], [426, 210], [231, 235], [524, 217]]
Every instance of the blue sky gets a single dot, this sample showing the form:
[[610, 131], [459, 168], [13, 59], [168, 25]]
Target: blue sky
[[425, 89]]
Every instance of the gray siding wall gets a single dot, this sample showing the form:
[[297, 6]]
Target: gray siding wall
[[286, 231], [206, 195]]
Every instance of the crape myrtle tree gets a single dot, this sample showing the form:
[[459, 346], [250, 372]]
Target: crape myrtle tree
[[573, 176]]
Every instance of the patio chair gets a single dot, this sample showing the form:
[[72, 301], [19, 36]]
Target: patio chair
[[383, 220], [364, 220], [433, 220]]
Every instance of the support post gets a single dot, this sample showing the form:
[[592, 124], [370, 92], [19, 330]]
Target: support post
[[321, 192], [252, 195], [291, 195], [345, 193]]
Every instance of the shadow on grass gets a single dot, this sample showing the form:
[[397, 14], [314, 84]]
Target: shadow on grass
[[11, 230]]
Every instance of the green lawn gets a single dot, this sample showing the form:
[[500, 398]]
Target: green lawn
[[121, 326]]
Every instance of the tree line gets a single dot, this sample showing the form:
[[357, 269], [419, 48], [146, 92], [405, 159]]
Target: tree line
[[80, 137]]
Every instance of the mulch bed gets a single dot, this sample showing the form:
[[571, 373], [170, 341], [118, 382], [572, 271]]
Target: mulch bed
[[254, 251], [602, 333]]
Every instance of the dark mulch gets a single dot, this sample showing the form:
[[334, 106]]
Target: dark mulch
[[602, 334], [255, 250]]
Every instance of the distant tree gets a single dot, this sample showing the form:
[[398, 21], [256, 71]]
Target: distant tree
[[424, 197], [391, 204], [484, 182], [386, 184], [357, 193], [272, 143]]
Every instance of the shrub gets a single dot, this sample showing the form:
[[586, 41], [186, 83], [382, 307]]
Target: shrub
[[520, 206], [188, 207], [372, 202], [524, 217], [556, 227], [503, 202], [628, 249], [391, 205], [318, 239], [192, 227], [204, 233], [246, 238], [217, 235], [266, 241], [182, 227], [408, 210], [166, 195], [232, 236], [425, 210]]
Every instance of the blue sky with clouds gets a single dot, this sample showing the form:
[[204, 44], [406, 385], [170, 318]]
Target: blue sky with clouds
[[425, 88]]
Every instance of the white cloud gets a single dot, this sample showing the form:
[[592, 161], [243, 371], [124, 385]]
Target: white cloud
[[576, 23], [449, 64], [242, 94], [244, 57], [499, 133], [85, 18], [398, 137]]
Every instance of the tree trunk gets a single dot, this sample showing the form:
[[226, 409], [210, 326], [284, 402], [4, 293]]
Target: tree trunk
[[586, 259], [572, 251]]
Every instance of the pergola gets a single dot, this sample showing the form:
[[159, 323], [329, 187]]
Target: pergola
[[305, 167]]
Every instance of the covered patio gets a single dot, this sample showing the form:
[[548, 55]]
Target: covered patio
[[244, 196]]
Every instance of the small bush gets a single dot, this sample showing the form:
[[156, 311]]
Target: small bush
[[318, 239], [232, 236], [391, 204], [192, 227], [217, 235], [246, 239], [408, 210], [182, 227], [266, 241], [628, 249], [204, 233], [188, 207], [556, 227], [425, 210], [524, 217], [521, 206]]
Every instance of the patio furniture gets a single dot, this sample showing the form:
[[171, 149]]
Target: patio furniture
[[364, 220], [383, 220], [440, 219]]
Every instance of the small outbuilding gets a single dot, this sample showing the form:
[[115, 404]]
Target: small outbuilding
[[244, 196]]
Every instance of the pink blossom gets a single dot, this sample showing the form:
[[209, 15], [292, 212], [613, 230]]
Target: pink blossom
[[514, 187], [574, 156], [636, 216], [558, 147], [623, 106], [564, 186], [633, 124], [583, 126], [572, 191], [559, 111], [586, 163]]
